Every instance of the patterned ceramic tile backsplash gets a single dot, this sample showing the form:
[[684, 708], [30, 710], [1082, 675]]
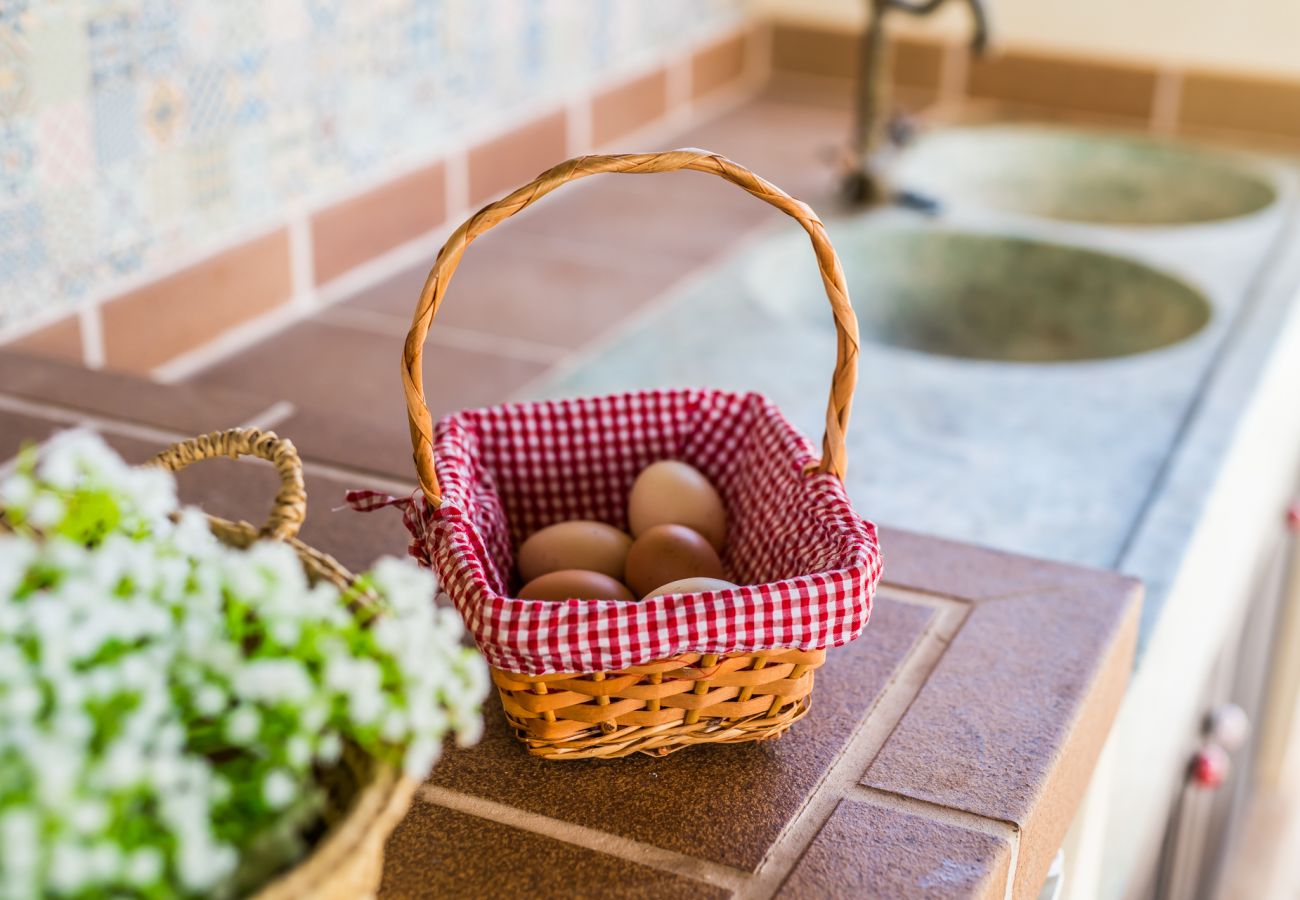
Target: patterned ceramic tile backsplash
[[137, 133]]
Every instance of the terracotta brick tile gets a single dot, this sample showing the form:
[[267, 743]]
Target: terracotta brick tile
[[866, 850], [1240, 103], [725, 803], [513, 159], [917, 63], [61, 340], [628, 107], [809, 50], [149, 326], [361, 228], [1083, 85], [437, 852], [718, 66]]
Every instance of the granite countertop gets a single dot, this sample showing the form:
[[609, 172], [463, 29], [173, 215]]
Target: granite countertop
[[944, 756]]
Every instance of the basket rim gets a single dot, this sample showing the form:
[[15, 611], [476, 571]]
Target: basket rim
[[841, 620]]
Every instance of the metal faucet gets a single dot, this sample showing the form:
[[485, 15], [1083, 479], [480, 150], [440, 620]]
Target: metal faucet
[[863, 184]]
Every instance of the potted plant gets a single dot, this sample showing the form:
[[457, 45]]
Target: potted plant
[[187, 709]]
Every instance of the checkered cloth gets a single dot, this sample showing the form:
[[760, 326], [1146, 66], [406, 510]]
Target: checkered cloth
[[809, 564]]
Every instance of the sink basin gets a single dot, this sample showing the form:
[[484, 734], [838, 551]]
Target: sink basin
[[980, 296], [1083, 176]]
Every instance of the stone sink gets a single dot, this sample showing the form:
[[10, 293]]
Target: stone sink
[[1083, 176], [988, 296]]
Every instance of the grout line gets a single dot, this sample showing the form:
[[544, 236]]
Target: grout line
[[577, 125], [759, 40], [388, 325], [1166, 101], [456, 173], [954, 72], [91, 320], [873, 730], [589, 838], [302, 272], [270, 417], [678, 90], [937, 812]]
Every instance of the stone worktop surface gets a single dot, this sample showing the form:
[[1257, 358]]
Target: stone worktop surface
[[944, 754]]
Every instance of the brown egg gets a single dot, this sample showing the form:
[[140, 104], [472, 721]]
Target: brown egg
[[670, 492], [667, 553], [580, 544], [690, 586], [575, 584]]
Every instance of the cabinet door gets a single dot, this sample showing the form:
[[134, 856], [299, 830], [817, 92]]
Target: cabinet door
[[1220, 770]]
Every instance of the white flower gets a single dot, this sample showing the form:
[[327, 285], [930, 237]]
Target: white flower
[[144, 866], [17, 491], [278, 789], [242, 725]]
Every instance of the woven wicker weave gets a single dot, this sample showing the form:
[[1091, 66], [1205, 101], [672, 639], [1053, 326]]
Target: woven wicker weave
[[365, 800], [692, 699]]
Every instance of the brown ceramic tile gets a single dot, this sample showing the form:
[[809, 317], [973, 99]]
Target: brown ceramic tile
[[865, 850], [437, 852], [516, 157], [829, 52], [61, 340], [356, 230], [628, 107], [244, 491], [968, 572], [149, 326], [1092, 86], [529, 287], [676, 219], [727, 804], [718, 66], [802, 163], [916, 63], [127, 398], [814, 51], [354, 374], [1240, 103], [18, 430], [381, 445], [1030, 673]]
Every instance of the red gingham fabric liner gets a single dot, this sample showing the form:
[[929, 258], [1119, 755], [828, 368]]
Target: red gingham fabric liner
[[809, 564]]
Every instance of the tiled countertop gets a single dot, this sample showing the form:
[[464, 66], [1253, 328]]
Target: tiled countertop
[[944, 755]]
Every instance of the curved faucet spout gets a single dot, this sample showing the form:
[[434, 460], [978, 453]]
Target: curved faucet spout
[[862, 184]]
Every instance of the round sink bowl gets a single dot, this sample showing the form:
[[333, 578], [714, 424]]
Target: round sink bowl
[[977, 296], [1083, 176]]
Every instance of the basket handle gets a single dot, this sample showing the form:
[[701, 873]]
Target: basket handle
[[290, 507], [843, 379]]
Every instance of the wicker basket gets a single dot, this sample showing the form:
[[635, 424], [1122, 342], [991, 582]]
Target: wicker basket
[[365, 800], [656, 705]]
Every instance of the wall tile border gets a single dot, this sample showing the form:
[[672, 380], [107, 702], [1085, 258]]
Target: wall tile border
[[319, 246]]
